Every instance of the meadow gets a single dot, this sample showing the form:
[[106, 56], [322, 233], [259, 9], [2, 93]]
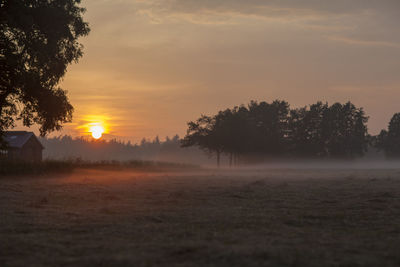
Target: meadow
[[17, 168], [259, 217]]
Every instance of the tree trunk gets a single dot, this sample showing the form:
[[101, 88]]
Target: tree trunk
[[218, 158], [230, 159]]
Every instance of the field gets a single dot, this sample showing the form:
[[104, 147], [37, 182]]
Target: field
[[204, 218]]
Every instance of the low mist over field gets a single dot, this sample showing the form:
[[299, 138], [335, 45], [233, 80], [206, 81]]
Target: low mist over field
[[169, 150]]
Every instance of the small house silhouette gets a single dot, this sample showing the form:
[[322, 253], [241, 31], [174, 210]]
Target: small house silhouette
[[22, 145]]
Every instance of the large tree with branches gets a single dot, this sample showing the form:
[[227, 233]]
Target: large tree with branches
[[38, 40]]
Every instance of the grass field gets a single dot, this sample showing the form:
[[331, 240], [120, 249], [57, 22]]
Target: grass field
[[204, 218], [17, 168]]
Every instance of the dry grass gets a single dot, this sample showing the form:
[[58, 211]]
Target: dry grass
[[16, 168], [210, 218]]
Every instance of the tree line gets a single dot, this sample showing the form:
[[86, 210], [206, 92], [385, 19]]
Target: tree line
[[87, 149], [262, 130]]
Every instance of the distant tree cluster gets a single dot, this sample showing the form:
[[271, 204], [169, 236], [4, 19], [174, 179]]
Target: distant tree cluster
[[274, 130], [168, 150]]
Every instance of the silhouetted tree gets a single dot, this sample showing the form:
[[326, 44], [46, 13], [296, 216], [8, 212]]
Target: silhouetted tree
[[273, 130], [205, 133], [259, 128], [306, 136], [156, 140], [379, 140], [345, 130], [232, 127], [328, 131], [38, 40], [389, 141], [269, 127]]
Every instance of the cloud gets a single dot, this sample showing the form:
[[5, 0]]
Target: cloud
[[340, 19], [274, 8], [147, 60], [358, 42]]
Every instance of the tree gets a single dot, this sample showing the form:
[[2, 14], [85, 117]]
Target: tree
[[273, 130], [320, 130], [389, 141], [258, 129], [379, 141], [233, 131], [270, 126], [205, 134], [345, 131], [38, 40], [306, 136]]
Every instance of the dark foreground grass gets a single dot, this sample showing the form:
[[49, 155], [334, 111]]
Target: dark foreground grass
[[64, 166], [34, 168], [265, 218]]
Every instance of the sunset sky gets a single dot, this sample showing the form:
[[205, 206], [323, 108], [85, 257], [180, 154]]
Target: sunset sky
[[150, 66]]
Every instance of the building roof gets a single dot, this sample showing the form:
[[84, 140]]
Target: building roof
[[17, 139]]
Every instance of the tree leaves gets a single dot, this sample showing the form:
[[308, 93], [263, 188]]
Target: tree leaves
[[38, 40], [389, 140], [273, 130]]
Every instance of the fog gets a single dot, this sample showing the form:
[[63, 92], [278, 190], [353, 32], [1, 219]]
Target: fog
[[170, 150], [322, 165]]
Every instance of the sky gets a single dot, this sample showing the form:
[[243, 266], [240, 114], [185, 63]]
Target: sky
[[150, 66]]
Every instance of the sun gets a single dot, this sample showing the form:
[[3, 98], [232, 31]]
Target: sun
[[97, 131]]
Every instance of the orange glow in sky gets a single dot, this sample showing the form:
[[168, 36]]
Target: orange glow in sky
[[149, 67], [93, 125]]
